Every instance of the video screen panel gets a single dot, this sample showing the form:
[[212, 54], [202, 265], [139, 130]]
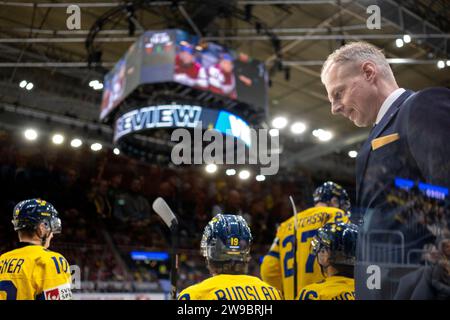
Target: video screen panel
[[176, 56], [121, 80], [209, 66]]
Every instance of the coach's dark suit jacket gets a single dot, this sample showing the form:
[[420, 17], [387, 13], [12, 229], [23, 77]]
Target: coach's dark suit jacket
[[412, 141]]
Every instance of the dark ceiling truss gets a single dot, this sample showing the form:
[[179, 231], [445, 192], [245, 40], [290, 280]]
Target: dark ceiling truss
[[407, 17], [177, 15]]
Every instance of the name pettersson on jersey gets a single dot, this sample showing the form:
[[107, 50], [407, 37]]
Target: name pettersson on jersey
[[62, 292]]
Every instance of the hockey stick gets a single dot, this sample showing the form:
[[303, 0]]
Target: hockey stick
[[294, 246], [163, 210]]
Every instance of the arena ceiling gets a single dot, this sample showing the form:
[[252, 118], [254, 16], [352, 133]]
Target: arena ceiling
[[36, 45]]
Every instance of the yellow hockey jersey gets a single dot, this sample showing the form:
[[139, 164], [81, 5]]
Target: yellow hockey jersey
[[333, 288], [277, 268], [34, 273], [231, 287]]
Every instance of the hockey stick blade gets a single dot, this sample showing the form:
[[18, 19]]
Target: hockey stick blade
[[163, 210]]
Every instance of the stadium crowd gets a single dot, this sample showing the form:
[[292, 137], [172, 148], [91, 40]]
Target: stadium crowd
[[104, 201]]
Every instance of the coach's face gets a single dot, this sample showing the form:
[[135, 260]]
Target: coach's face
[[352, 92]]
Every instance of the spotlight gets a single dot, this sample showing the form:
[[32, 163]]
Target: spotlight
[[352, 154], [260, 177], [96, 146], [298, 128], [244, 174], [407, 38], [230, 172], [116, 151], [93, 83], [322, 135], [279, 122], [98, 86], [23, 83], [399, 43], [76, 143], [57, 138], [211, 168], [448, 63], [441, 64], [30, 134], [274, 132], [29, 86]]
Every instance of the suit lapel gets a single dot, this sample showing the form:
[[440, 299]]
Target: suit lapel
[[366, 149], [390, 114]]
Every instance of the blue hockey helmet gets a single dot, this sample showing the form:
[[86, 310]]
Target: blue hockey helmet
[[186, 47], [340, 239], [29, 213], [227, 238], [330, 190]]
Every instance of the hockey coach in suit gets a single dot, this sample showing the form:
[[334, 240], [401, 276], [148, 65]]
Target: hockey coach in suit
[[409, 139]]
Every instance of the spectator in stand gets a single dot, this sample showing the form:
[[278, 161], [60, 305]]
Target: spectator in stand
[[132, 206], [232, 203], [440, 279], [69, 193], [115, 187], [99, 200]]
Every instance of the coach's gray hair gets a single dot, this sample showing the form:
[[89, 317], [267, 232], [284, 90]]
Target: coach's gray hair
[[358, 52]]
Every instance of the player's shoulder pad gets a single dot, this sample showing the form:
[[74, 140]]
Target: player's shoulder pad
[[309, 292], [184, 294], [321, 281], [188, 293], [49, 256], [333, 209], [285, 224]]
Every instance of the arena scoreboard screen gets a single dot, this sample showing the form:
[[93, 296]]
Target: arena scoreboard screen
[[174, 56]]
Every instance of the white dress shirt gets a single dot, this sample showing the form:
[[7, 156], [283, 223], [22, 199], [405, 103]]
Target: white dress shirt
[[388, 103]]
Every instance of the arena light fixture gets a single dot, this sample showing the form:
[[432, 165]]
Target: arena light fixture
[[96, 146], [93, 83], [322, 135], [441, 64], [230, 172], [260, 177], [399, 43], [279, 122], [23, 84], [76, 143], [298, 128], [30, 134], [406, 38], [352, 154], [244, 174], [29, 86], [448, 63], [211, 168], [57, 138], [98, 86], [274, 132], [116, 151]]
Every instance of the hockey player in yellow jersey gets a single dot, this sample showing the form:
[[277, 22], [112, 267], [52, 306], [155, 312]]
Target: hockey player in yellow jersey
[[32, 272], [332, 204], [335, 247], [226, 246]]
